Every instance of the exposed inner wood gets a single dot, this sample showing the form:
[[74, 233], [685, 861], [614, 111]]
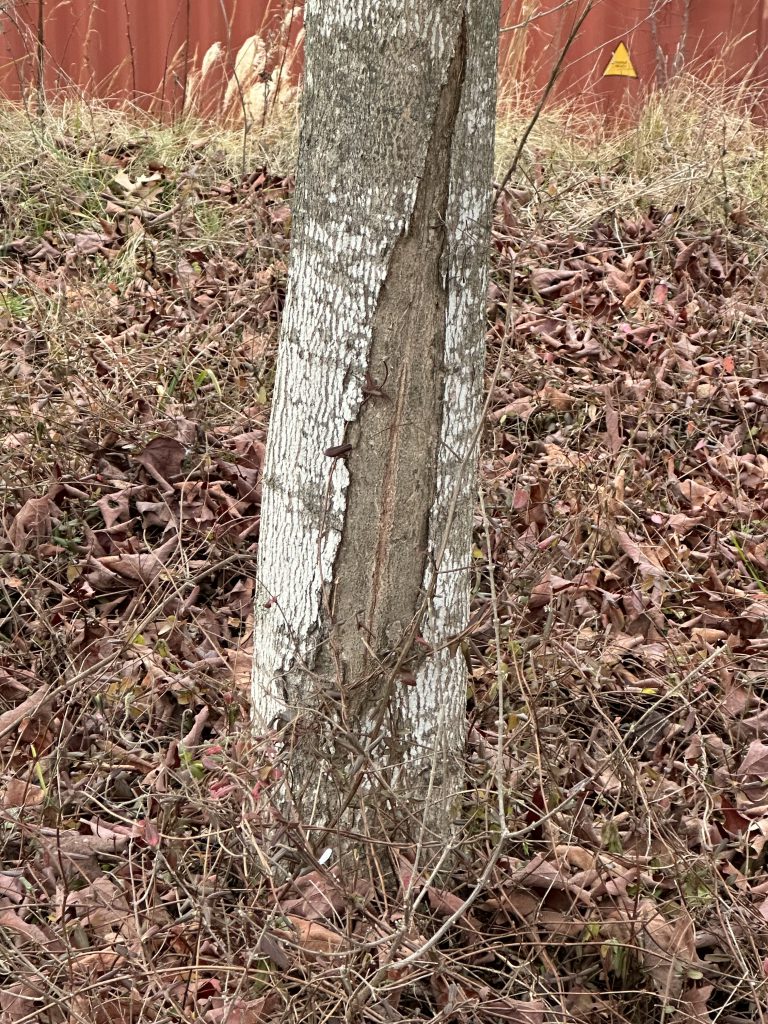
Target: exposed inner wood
[[381, 563]]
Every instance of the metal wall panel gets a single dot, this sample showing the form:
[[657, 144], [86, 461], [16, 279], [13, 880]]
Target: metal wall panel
[[133, 49], [141, 49], [662, 37]]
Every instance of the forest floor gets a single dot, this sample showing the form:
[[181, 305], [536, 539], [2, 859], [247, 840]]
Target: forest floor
[[618, 710]]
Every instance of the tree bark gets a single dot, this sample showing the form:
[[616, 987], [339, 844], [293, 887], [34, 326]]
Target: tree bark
[[368, 488]]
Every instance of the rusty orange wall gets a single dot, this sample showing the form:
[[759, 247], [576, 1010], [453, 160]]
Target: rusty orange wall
[[697, 32], [119, 48], [127, 47]]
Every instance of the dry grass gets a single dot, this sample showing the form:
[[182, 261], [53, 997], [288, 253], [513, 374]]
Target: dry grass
[[696, 145]]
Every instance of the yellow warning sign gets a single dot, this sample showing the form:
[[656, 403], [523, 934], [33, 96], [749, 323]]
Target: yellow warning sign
[[620, 64]]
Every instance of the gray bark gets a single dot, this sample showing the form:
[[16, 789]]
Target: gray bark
[[365, 552]]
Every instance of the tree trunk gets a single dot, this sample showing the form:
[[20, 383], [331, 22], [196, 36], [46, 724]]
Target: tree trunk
[[368, 488]]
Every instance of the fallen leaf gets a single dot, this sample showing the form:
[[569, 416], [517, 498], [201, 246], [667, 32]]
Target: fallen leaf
[[314, 937], [643, 557], [35, 704], [755, 761], [32, 524], [20, 793]]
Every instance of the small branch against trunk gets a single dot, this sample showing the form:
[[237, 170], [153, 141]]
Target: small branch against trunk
[[338, 451], [390, 967], [373, 388]]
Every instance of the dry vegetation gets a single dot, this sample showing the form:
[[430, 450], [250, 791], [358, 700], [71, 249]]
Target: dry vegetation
[[619, 695]]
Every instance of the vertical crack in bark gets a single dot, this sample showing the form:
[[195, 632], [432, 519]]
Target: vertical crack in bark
[[389, 491], [393, 462]]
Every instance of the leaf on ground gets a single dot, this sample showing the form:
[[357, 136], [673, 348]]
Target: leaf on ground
[[755, 762], [313, 937], [163, 458], [32, 524]]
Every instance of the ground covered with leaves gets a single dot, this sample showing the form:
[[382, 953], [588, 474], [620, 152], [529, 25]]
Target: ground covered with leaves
[[618, 707]]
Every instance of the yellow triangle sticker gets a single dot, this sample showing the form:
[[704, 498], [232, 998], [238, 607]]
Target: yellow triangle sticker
[[620, 64]]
